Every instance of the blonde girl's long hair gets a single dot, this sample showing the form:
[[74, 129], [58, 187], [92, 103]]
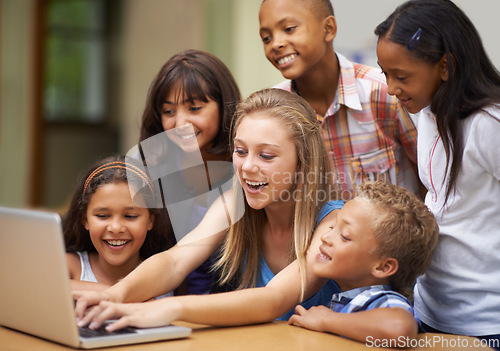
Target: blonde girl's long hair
[[314, 186]]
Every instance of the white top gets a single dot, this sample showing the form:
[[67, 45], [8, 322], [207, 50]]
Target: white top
[[87, 272], [460, 293]]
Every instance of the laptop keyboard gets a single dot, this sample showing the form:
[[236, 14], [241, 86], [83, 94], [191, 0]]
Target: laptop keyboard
[[92, 333]]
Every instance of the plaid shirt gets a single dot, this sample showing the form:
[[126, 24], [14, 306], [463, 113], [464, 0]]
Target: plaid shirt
[[368, 298], [366, 131]]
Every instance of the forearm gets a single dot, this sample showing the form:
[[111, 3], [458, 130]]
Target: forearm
[[166, 270], [380, 323], [153, 277], [82, 285], [248, 306]]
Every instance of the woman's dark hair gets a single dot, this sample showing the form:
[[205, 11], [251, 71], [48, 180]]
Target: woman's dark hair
[[473, 81], [111, 170], [199, 76]]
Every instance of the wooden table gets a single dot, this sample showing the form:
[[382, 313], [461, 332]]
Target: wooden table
[[274, 336]]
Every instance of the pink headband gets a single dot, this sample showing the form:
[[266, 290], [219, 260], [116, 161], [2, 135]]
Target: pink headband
[[119, 165]]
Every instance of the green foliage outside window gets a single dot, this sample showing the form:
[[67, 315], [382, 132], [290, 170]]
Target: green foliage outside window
[[74, 73]]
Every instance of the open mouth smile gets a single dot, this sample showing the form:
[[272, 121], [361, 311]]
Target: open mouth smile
[[188, 136], [286, 59], [323, 256], [255, 185], [116, 243]]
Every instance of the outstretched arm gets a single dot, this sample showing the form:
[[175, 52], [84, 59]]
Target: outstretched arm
[[388, 323], [166, 270], [246, 306]]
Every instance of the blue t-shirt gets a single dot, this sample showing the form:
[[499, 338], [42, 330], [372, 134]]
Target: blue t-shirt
[[324, 295], [329, 207]]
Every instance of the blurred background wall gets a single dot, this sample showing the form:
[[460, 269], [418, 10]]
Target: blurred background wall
[[108, 51]]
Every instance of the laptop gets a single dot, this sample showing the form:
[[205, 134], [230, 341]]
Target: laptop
[[35, 296]]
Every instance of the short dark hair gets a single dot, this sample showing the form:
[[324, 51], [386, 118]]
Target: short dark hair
[[321, 8]]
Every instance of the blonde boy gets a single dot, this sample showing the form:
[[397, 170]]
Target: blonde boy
[[381, 242]]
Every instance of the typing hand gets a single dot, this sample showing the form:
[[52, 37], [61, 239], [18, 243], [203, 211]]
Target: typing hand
[[85, 299], [141, 315]]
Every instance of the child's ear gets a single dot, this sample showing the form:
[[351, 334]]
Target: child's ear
[[444, 67], [330, 28], [386, 268], [85, 223], [151, 221]]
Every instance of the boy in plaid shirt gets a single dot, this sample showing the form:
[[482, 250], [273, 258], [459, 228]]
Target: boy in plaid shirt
[[367, 133]]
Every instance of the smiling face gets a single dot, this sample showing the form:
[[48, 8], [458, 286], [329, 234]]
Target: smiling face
[[116, 225], [347, 250], [414, 82], [266, 160], [293, 36], [196, 123]]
